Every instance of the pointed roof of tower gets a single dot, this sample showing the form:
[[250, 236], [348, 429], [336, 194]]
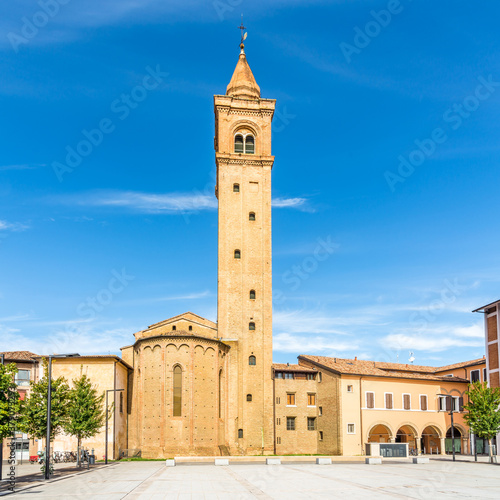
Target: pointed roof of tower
[[243, 82]]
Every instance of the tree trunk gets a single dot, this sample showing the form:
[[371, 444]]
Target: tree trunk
[[78, 452], [490, 451]]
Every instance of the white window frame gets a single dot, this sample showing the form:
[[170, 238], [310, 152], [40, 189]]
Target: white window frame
[[294, 397], [385, 401], [420, 401], [245, 141], [442, 407], [354, 428], [479, 375], [320, 411], [366, 400], [314, 405], [455, 405], [352, 388], [403, 401]]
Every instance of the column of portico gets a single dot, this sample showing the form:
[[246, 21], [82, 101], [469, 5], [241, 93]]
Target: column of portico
[[443, 447], [418, 441]]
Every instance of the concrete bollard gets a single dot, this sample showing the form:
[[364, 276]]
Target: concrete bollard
[[273, 461], [373, 461], [221, 461], [170, 462], [323, 461], [420, 460]]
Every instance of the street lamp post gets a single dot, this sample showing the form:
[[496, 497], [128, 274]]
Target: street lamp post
[[106, 446], [49, 409], [452, 428]]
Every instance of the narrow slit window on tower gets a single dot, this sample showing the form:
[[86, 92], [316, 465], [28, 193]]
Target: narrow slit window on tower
[[236, 188], [220, 394], [237, 254], [249, 397], [251, 216], [240, 433], [238, 144], [252, 294], [177, 391], [190, 328], [174, 328], [252, 361], [251, 325], [249, 145]]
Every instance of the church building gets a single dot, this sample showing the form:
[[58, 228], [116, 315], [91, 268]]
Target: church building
[[189, 386]]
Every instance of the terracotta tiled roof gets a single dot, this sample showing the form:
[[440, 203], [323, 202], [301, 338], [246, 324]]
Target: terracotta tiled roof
[[285, 367], [19, 355], [463, 364], [374, 369]]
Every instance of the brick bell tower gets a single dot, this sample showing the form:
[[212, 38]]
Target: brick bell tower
[[244, 163]]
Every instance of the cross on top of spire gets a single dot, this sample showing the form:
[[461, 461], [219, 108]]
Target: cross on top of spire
[[242, 28]]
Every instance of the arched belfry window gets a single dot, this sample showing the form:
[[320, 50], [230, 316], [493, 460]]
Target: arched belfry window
[[249, 397], [237, 254], [252, 361], [249, 145], [251, 325], [236, 188], [177, 391], [238, 144], [251, 216], [252, 294]]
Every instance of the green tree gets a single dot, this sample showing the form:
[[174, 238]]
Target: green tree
[[9, 400], [34, 407], [483, 416], [86, 411]]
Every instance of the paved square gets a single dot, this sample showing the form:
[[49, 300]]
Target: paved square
[[152, 480]]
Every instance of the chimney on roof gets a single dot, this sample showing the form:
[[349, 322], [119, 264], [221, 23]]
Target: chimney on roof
[[355, 358], [288, 364], [335, 360]]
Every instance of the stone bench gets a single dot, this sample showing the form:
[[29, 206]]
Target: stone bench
[[373, 460], [273, 461], [221, 461], [420, 460], [170, 462], [323, 461]]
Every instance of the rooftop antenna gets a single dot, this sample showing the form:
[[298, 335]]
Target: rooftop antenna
[[242, 28], [412, 358]]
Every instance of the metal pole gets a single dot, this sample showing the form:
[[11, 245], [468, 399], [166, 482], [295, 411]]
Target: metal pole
[[2, 359], [49, 405], [106, 446], [452, 429], [475, 448]]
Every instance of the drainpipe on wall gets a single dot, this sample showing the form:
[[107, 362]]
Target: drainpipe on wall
[[361, 413], [114, 410], [274, 412]]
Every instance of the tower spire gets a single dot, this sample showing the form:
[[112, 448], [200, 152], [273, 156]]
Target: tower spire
[[243, 82]]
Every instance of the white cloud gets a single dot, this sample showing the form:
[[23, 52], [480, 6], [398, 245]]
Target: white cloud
[[155, 203], [429, 343], [12, 226], [4, 168], [288, 202], [286, 342]]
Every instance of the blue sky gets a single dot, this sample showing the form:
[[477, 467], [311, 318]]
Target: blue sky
[[386, 149]]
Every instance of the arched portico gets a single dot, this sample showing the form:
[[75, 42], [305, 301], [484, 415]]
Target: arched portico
[[380, 433], [407, 433], [432, 440], [461, 439]]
